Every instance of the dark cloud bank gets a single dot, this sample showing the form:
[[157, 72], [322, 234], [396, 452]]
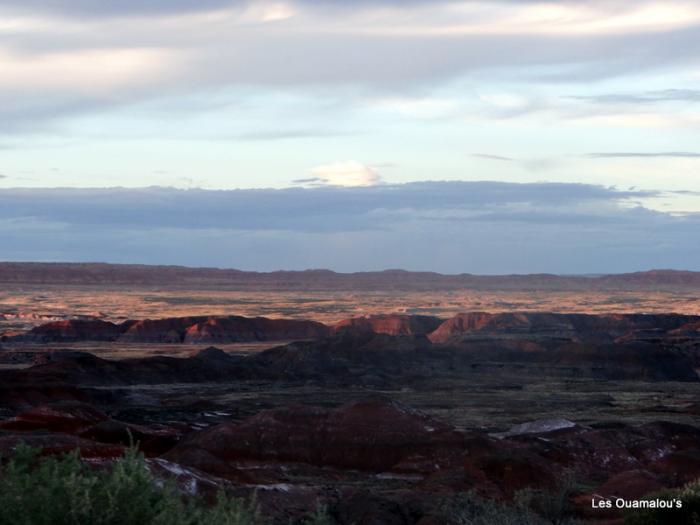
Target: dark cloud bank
[[479, 227]]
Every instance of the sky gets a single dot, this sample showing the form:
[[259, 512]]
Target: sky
[[482, 136]]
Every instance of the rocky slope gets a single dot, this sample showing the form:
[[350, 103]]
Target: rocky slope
[[571, 327], [381, 436], [213, 329], [390, 324], [372, 435]]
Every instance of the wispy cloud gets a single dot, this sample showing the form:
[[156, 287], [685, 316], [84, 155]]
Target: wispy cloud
[[645, 154], [289, 134], [488, 156], [665, 95], [540, 164]]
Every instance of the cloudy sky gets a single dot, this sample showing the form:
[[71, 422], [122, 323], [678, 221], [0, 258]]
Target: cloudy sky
[[479, 136]]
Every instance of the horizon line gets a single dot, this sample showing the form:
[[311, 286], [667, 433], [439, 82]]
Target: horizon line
[[328, 270]]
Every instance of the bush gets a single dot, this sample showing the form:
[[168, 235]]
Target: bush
[[688, 514], [319, 517], [552, 505], [65, 491], [471, 509]]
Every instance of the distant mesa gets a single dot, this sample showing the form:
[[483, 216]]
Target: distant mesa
[[392, 324], [325, 280], [605, 328], [194, 330], [72, 330]]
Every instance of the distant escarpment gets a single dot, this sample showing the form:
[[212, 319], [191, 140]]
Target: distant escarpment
[[101, 274], [538, 327], [395, 324], [605, 328], [207, 330]]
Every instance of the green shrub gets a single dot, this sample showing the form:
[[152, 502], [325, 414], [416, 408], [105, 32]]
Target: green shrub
[[688, 514], [471, 509], [552, 505], [65, 491], [319, 517]]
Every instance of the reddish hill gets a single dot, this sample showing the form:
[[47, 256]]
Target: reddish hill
[[241, 329], [71, 331], [371, 435], [574, 327], [392, 324], [228, 329]]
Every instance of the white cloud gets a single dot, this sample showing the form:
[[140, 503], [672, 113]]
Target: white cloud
[[533, 18], [505, 100], [422, 108], [272, 12], [95, 71], [345, 173]]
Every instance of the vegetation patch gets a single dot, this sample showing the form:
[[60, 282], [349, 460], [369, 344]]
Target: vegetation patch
[[65, 491]]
